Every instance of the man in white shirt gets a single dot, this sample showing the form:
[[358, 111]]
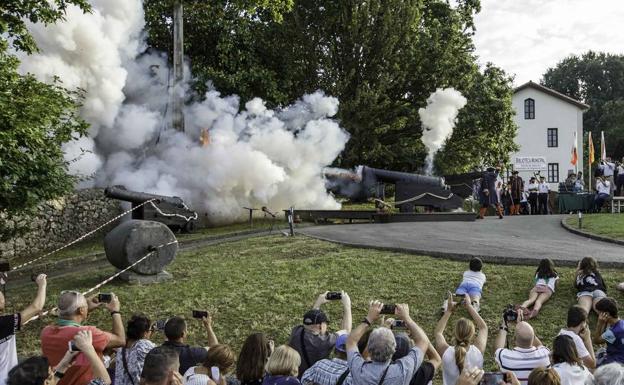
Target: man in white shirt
[[578, 330], [603, 192], [527, 354], [608, 169], [542, 196]]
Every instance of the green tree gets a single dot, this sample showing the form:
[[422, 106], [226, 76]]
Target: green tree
[[35, 118], [596, 79]]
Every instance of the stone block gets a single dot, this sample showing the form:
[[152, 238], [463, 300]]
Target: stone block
[[140, 279]]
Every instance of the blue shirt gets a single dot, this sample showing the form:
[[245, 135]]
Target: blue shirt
[[400, 372], [614, 336], [280, 380]]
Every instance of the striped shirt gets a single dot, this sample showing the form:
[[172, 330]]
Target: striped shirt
[[522, 361], [326, 372]]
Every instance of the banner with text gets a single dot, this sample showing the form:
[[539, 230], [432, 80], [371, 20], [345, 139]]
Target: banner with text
[[530, 163]]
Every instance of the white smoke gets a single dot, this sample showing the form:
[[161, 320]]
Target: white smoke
[[438, 119], [256, 156]]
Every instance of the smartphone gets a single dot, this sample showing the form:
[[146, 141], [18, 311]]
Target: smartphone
[[492, 378], [200, 314], [5, 266], [160, 324], [398, 324], [105, 297], [459, 298], [71, 345], [333, 295], [214, 371], [33, 277], [388, 309]]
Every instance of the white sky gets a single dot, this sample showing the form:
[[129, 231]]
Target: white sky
[[526, 37]]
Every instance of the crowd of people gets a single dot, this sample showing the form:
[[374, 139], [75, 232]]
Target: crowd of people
[[387, 347]]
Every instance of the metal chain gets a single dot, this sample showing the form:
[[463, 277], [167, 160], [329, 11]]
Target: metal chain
[[107, 280], [81, 237]]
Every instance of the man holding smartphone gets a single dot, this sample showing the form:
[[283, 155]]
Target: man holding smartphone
[[73, 310], [12, 323], [311, 340]]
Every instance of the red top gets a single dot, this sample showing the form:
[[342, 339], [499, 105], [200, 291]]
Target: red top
[[54, 344]]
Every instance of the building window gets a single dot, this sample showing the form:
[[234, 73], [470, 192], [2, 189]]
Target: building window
[[553, 172], [553, 137], [529, 108]]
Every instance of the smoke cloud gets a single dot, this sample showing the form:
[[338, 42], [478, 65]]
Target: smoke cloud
[[438, 119], [255, 156]]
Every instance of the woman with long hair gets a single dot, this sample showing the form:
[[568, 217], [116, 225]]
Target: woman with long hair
[[545, 281], [589, 284], [253, 358], [469, 346], [129, 359], [566, 362]]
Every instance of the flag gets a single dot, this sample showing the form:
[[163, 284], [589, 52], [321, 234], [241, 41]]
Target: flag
[[574, 151], [591, 149], [603, 147]]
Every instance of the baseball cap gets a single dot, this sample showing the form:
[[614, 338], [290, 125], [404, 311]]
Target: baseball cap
[[341, 343], [314, 317]]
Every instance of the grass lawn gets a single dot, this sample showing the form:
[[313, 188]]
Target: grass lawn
[[267, 283], [608, 225]]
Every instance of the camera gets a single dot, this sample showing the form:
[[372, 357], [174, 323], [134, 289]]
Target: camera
[[492, 378], [33, 277], [159, 325], [333, 295], [200, 314], [398, 324], [72, 346], [510, 314], [105, 297], [388, 309]]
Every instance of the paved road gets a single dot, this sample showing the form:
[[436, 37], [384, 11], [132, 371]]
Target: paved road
[[517, 239]]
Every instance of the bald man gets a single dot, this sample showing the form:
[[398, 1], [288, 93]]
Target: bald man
[[527, 354]]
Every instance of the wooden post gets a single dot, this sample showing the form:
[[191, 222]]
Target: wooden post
[[178, 66]]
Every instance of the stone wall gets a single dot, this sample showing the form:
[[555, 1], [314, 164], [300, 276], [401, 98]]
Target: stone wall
[[60, 221]]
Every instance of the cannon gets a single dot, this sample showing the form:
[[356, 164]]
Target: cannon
[[132, 240], [170, 211], [410, 189]]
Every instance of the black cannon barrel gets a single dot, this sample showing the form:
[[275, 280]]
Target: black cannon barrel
[[386, 176], [121, 193]]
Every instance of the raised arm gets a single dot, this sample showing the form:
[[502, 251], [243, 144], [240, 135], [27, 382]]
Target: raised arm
[[589, 361], [37, 304], [373, 313], [84, 341], [481, 340], [118, 333], [433, 357], [438, 334], [601, 325], [347, 319], [501, 338], [418, 335], [212, 337], [320, 300]]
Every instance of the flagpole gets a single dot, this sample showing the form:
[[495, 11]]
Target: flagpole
[[589, 162]]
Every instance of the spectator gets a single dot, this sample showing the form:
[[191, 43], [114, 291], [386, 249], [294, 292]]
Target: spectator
[[330, 372], [567, 363], [283, 367], [579, 185], [253, 358], [472, 283], [608, 170], [542, 196], [464, 354], [311, 340], [528, 353], [12, 323], [129, 359], [610, 330], [382, 346], [533, 188], [36, 370], [589, 284], [427, 370], [473, 377], [610, 374], [619, 182], [578, 330], [603, 192], [516, 188], [218, 363], [175, 332], [162, 367], [73, 309], [544, 376], [545, 279]]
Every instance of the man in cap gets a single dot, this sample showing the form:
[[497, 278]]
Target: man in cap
[[517, 187], [330, 372], [487, 193], [312, 340]]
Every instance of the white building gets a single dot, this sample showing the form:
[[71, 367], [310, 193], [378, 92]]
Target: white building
[[547, 121]]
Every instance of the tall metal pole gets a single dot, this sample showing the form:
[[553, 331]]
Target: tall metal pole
[[178, 66]]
